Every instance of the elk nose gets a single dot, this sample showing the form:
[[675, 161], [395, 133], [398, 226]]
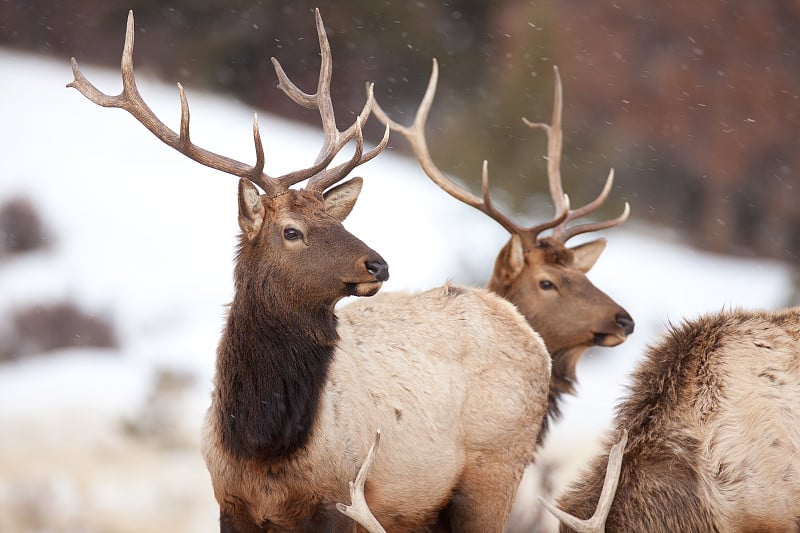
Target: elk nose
[[625, 323], [377, 268]]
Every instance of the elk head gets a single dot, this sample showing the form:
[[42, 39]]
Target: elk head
[[290, 237], [541, 275]]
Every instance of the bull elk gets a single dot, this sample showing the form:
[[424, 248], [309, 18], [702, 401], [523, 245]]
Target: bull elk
[[713, 425], [540, 275], [454, 377]]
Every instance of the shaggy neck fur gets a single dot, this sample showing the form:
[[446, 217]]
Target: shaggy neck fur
[[562, 378], [562, 381], [272, 364]]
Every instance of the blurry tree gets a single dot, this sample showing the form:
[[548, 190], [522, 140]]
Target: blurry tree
[[696, 103]]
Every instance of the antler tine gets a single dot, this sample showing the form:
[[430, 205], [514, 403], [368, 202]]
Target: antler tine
[[555, 141], [325, 179], [563, 233], [597, 523], [359, 510], [131, 101], [334, 140], [415, 135]]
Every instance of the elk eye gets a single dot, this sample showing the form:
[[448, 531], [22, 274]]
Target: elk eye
[[292, 234], [546, 285]]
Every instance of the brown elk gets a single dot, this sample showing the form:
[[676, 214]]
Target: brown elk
[[540, 275], [713, 424], [454, 377]]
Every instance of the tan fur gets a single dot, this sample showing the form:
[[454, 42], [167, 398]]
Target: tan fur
[[547, 282], [459, 399], [713, 417]]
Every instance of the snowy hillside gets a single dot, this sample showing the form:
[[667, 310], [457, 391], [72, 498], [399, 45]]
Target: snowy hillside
[[145, 237]]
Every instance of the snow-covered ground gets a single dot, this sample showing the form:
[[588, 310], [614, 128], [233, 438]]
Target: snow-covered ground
[[144, 236]]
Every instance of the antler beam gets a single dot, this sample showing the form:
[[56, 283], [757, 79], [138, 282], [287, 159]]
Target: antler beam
[[359, 510], [597, 522], [320, 177], [334, 139], [555, 141], [415, 134]]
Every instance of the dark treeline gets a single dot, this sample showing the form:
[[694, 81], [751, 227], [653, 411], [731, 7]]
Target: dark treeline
[[695, 103]]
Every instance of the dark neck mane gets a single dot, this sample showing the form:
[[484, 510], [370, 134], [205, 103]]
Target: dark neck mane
[[272, 364], [562, 381]]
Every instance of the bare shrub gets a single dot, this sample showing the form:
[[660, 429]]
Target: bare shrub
[[44, 328], [21, 228]]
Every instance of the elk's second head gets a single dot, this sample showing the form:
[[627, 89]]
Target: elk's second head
[[547, 282], [543, 277], [292, 236]]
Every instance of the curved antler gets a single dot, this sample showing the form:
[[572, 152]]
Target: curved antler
[[334, 139], [131, 101], [359, 510], [555, 140], [597, 522], [415, 134]]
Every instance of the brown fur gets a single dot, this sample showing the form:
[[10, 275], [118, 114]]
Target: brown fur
[[454, 378], [572, 316], [713, 417]]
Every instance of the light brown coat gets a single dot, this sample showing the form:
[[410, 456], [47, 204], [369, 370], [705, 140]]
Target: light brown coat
[[713, 418]]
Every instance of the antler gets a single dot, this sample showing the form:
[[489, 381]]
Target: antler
[[359, 509], [415, 134], [131, 101], [555, 138], [597, 523], [334, 139]]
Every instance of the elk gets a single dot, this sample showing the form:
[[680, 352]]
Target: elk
[[712, 419], [540, 275], [454, 378]]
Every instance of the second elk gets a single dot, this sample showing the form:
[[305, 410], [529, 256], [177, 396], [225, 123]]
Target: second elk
[[454, 378], [542, 276], [713, 434]]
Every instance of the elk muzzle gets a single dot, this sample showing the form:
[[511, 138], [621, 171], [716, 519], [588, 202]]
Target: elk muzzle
[[377, 270], [623, 326]]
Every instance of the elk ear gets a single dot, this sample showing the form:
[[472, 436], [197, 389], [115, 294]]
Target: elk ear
[[511, 260], [340, 200], [586, 254], [251, 210]]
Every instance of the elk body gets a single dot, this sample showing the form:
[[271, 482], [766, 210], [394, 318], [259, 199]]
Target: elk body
[[542, 276], [454, 378], [713, 424]]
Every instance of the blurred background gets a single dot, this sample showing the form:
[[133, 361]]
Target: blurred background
[[116, 254], [694, 103]]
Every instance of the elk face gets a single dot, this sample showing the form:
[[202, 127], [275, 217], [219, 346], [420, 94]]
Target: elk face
[[548, 284], [297, 240]]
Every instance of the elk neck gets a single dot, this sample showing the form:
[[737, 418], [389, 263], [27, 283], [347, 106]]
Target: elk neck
[[562, 381], [272, 364]]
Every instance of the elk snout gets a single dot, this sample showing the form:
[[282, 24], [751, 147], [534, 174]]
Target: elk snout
[[625, 323], [616, 334], [377, 268]]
